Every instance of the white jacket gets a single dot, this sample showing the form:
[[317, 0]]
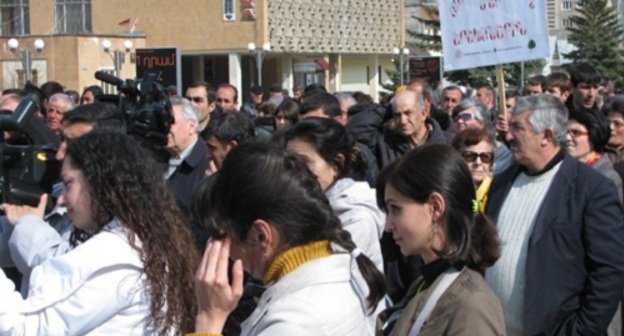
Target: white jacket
[[96, 289], [34, 241], [355, 204], [326, 296]]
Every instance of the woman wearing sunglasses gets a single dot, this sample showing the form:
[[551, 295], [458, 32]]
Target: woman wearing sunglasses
[[470, 114], [588, 134], [476, 146]]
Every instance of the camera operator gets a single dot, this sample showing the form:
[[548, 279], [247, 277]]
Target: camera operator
[[35, 237]]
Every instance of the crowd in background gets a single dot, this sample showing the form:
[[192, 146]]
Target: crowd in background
[[436, 211]]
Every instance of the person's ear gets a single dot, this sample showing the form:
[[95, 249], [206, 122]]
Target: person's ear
[[565, 95], [231, 144], [192, 125], [437, 203], [339, 166], [341, 159], [263, 234], [548, 137]]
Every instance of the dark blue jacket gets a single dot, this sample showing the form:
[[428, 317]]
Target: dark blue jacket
[[575, 259], [188, 174]]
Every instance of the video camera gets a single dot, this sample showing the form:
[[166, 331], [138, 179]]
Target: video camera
[[146, 110], [27, 147]]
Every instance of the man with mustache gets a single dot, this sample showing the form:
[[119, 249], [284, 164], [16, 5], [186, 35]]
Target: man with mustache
[[561, 228]]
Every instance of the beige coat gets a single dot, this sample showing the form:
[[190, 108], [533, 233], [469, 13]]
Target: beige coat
[[468, 307]]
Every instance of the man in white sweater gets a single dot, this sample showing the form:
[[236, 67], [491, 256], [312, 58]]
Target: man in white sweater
[[560, 222]]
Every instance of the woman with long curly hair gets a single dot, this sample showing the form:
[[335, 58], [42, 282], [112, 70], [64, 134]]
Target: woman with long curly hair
[[131, 269]]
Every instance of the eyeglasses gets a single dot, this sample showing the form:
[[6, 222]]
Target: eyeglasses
[[196, 100], [575, 133], [470, 157], [464, 116]]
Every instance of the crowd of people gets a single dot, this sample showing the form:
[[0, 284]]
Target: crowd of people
[[432, 212]]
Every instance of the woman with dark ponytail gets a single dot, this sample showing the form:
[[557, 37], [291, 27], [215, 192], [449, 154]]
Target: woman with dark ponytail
[[270, 215], [332, 156], [429, 198]]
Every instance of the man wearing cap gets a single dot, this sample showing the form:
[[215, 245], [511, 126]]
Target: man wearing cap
[[256, 93]]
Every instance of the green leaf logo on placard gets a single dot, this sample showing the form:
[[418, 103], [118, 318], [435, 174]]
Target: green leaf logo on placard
[[532, 44]]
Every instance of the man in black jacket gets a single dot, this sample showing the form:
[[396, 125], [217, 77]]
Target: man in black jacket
[[412, 128], [188, 157]]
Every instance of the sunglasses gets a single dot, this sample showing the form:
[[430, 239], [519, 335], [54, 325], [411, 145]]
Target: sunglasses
[[470, 157], [576, 133], [463, 116]]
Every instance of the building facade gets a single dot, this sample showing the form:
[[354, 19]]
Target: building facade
[[345, 45]]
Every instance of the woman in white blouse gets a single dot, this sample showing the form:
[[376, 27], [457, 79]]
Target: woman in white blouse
[[130, 270]]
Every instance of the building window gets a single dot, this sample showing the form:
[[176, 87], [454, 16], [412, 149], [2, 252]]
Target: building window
[[566, 5], [14, 17], [73, 16], [567, 23]]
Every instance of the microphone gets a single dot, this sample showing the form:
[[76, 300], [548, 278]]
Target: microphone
[[110, 79]]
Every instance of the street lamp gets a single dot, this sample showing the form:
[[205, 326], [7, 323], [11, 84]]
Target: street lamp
[[117, 55], [26, 55], [259, 53], [401, 53]]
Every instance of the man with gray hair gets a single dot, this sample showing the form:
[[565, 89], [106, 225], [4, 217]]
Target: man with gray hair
[[561, 270], [58, 104], [346, 100], [188, 157]]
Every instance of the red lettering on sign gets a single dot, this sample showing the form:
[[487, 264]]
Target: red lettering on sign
[[489, 33]]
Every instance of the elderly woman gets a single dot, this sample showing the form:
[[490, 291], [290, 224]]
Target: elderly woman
[[470, 114], [476, 146], [588, 134]]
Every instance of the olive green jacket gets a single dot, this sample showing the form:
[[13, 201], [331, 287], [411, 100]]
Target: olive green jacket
[[467, 307]]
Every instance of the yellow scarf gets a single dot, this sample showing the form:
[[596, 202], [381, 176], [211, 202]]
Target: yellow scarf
[[482, 192], [294, 257]]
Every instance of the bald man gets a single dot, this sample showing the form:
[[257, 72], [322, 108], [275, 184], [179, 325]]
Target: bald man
[[414, 127]]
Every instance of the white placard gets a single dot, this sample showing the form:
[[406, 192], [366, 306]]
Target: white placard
[[228, 10], [486, 32]]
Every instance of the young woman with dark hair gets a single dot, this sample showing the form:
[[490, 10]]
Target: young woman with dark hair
[[131, 268], [274, 220], [431, 212], [90, 93], [287, 114], [332, 156]]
